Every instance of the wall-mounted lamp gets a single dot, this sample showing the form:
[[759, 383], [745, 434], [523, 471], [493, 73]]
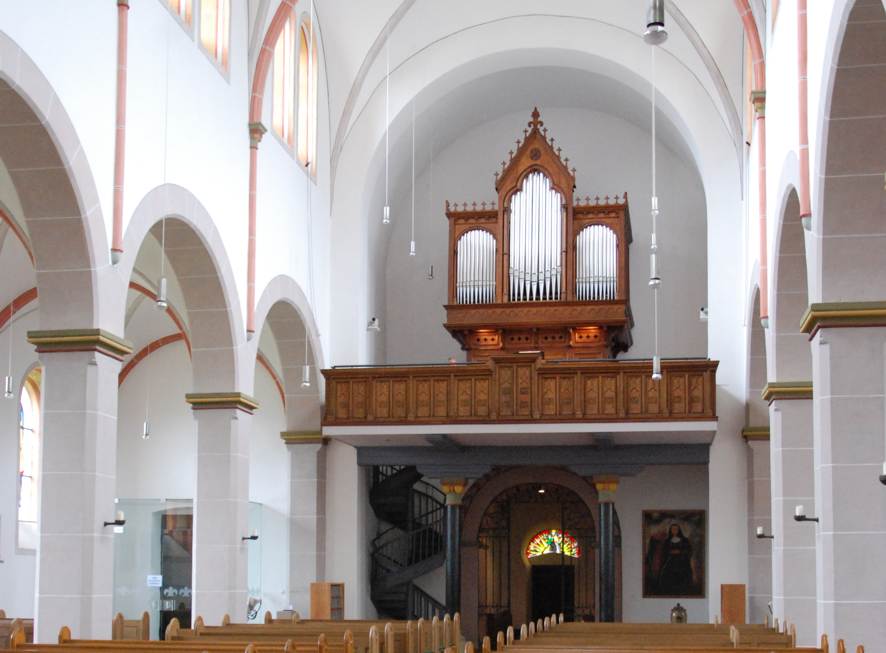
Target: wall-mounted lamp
[[703, 314], [761, 534], [373, 325], [119, 520], [250, 538], [800, 514], [883, 475]]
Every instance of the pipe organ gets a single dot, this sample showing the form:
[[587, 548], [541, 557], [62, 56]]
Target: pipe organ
[[539, 270]]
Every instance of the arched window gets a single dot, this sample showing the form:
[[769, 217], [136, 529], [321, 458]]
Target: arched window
[[283, 113], [29, 461], [307, 96], [553, 541], [184, 9], [215, 29]]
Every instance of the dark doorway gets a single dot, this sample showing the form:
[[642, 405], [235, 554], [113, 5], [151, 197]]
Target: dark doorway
[[553, 591]]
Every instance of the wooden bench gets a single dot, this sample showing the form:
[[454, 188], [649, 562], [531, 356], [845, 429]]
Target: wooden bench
[[131, 629], [8, 626]]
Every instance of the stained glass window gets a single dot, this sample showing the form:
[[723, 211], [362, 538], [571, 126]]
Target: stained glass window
[[553, 541], [29, 457]]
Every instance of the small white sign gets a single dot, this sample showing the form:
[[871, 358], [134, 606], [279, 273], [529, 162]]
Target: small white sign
[[155, 580]]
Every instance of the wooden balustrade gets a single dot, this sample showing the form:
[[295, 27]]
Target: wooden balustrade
[[522, 388]]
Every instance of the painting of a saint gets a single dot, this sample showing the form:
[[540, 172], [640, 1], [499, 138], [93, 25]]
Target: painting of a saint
[[674, 553]]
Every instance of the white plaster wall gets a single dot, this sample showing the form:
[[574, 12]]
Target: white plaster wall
[[679, 487], [611, 157], [17, 573], [269, 485], [350, 525], [164, 466]]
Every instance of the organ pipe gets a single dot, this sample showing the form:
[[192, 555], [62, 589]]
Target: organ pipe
[[536, 240], [475, 280], [596, 264]]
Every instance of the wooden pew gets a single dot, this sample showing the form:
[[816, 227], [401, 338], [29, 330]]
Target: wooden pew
[[8, 626], [131, 629]]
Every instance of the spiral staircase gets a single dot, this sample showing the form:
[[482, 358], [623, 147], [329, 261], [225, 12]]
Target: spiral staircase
[[410, 542]]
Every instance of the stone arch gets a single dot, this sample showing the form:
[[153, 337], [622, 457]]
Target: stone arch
[[284, 309], [849, 204], [478, 499], [791, 356], [62, 213], [196, 255]]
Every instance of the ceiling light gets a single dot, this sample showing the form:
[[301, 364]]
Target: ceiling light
[[655, 33]]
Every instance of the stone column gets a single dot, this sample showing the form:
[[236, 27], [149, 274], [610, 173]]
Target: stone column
[[792, 478], [75, 563], [849, 371], [307, 521], [759, 515], [606, 488], [454, 490], [221, 505]]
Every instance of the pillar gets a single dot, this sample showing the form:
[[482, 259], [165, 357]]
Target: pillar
[[792, 479], [307, 521], [221, 505], [75, 563], [454, 490], [849, 372], [606, 488], [759, 515]]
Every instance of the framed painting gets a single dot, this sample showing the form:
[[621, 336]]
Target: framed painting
[[674, 554]]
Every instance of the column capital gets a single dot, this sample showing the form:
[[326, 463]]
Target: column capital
[[758, 99], [787, 390], [454, 489], [755, 433], [123, 3], [73, 340], [836, 315], [222, 401], [303, 437], [606, 487], [256, 131]]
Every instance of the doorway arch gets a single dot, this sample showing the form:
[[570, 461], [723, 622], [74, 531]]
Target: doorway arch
[[486, 507]]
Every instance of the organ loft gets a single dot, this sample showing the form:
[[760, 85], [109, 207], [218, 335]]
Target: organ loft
[[539, 270]]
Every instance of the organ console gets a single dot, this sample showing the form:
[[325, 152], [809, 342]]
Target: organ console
[[539, 270]]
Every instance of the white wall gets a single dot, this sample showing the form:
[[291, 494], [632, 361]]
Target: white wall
[[18, 570], [679, 487], [611, 157], [269, 485], [164, 466], [350, 525]]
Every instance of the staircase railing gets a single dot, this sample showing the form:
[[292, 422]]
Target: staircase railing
[[381, 473], [422, 605]]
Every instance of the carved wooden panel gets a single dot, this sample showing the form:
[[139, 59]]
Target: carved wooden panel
[[521, 389]]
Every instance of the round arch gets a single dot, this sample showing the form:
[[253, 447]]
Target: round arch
[[197, 256], [58, 196], [479, 497]]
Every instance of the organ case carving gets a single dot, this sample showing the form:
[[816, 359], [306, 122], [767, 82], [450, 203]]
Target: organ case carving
[[539, 270]]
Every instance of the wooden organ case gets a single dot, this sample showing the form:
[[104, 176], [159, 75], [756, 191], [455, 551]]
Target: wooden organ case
[[539, 271]]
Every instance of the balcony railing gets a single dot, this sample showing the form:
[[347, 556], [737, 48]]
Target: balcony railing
[[523, 388]]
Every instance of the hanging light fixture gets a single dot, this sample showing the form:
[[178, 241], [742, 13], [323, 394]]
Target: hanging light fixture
[[654, 275], [7, 382], [146, 430], [655, 33], [412, 240], [386, 213], [162, 302], [306, 369]]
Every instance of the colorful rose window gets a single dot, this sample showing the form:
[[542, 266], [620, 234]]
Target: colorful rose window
[[553, 541]]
